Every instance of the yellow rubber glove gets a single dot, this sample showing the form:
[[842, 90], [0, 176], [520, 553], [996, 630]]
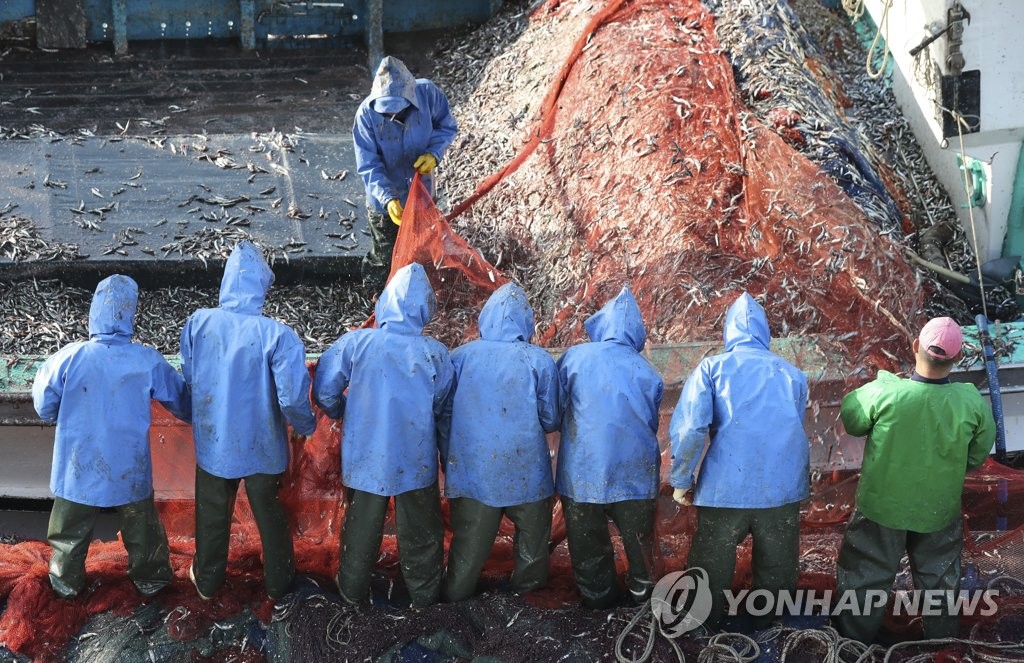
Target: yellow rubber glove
[[395, 211], [683, 496], [425, 163]]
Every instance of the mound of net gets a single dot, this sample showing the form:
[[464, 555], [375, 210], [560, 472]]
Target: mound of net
[[644, 166]]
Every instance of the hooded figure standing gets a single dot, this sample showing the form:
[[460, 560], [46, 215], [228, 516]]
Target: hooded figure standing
[[398, 385], [403, 127], [248, 377], [506, 400], [756, 471], [99, 392], [609, 460]]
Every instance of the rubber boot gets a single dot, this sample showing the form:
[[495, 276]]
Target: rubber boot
[[868, 560], [635, 521], [590, 548], [776, 553], [69, 534], [275, 532], [531, 544], [421, 543], [149, 562], [361, 536], [376, 265], [215, 502], [935, 565], [474, 527]]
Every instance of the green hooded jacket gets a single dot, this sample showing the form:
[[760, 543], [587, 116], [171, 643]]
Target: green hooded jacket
[[921, 440]]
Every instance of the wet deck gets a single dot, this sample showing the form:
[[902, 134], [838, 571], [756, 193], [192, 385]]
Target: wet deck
[[156, 163], [166, 207]]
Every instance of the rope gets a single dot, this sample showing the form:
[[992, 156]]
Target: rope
[[877, 73], [649, 648], [1015, 648], [546, 111], [655, 629], [719, 645], [739, 648], [960, 124], [854, 8]]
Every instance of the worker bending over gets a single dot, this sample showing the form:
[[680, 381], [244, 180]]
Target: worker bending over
[[248, 377], [609, 460], [923, 434], [756, 470], [496, 457], [398, 385], [98, 392], [403, 127]]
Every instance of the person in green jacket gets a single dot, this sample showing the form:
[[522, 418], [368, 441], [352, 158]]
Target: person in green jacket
[[923, 434]]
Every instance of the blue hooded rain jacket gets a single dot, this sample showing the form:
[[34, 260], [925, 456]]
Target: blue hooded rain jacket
[[609, 448], [248, 376], [386, 146], [398, 385], [99, 392], [752, 403], [506, 398]]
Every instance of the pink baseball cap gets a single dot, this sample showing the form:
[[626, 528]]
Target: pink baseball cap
[[941, 338]]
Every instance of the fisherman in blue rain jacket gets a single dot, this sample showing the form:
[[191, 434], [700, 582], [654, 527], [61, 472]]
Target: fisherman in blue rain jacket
[[609, 459], [506, 399], [751, 402], [99, 392], [248, 377], [398, 385], [403, 127]]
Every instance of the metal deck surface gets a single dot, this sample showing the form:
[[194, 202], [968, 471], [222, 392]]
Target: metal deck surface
[[163, 115], [129, 203]]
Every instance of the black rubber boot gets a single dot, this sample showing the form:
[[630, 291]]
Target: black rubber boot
[[361, 536], [474, 526], [149, 560], [590, 548], [215, 502], [275, 532], [69, 534], [421, 543], [635, 521]]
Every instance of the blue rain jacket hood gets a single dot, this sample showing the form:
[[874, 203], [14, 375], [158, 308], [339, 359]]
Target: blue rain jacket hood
[[506, 399], [387, 145], [407, 303], [247, 373], [746, 325], [751, 402], [609, 448], [619, 321], [104, 460], [398, 385], [393, 79], [247, 278], [112, 312], [507, 316]]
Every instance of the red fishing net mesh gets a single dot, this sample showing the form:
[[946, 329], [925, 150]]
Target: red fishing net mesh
[[709, 203]]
